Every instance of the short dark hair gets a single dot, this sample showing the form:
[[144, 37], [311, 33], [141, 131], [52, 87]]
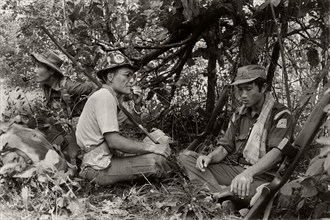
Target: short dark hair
[[259, 82]]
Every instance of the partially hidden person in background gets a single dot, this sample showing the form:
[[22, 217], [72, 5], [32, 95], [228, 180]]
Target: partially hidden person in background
[[109, 157], [59, 91], [247, 155], [66, 98]]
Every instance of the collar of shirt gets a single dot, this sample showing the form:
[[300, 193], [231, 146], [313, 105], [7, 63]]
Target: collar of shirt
[[54, 86], [248, 111]]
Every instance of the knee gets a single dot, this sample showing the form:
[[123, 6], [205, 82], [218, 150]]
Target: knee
[[158, 165], [159, 160], [186, 157]]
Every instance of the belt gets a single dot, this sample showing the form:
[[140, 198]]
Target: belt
[[98, 157]]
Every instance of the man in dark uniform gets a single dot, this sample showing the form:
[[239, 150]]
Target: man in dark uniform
[[60, 92], [251, 148]]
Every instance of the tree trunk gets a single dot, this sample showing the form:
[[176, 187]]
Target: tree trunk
[[272, 65], [212, 40]]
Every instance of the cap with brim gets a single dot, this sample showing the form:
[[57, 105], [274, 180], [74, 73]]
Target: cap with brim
[[50, 59], [249, 73], [111, 61], [241, 81], [101, 72]]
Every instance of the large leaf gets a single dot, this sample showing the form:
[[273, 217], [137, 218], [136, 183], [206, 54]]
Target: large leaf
[[323, 141], [309, 188], [316, 167], [275, 2], [324, 151], [287, 189]]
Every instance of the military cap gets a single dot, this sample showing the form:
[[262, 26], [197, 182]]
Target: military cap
[[50, 58], [249, 73]]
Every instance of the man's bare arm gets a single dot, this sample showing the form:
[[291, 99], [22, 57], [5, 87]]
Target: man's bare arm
[[242, 182], [118, 142], [215, 156], [218, 155], [266, 162]]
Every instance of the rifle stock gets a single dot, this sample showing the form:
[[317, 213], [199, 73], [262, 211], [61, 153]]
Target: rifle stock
[[303, 140], [209, 127]]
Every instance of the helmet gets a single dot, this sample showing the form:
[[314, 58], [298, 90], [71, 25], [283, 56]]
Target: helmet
[[113, 60]]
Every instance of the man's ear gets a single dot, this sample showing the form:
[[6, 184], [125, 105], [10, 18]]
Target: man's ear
[[264, 87], [109, 76], [51, 72]]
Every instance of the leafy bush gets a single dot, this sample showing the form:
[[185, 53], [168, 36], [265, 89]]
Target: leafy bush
[[309, 195]]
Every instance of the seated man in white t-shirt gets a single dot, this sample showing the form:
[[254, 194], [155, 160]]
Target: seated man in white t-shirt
[[98, 131]]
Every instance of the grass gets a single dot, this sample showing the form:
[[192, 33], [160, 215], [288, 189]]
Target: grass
[[172, 198]]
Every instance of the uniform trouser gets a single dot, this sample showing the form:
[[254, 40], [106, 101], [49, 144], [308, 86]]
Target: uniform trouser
[[216, 176], [128, 168]]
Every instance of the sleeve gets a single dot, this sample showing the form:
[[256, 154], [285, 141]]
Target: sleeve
[[105, 109], [281, 130], [228, 140], [79, 89]]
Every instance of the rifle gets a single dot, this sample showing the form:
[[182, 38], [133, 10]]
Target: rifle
[[99, 85], [209, 127], [303, 140]]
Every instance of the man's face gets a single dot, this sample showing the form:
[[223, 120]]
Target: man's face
[[250, 94], [43, 73], [123, 80]]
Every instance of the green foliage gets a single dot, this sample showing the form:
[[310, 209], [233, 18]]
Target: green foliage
[[310, 194], [41, 193]]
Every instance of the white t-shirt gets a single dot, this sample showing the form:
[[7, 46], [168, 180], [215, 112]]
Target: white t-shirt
[[99, 116]]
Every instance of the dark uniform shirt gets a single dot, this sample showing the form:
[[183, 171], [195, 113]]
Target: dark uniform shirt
[[76, 90], [279, 126]]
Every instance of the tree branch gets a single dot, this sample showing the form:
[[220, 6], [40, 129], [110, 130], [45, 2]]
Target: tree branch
[[197, 25], [75, 63], [285, 74], [178, 44], [273, 64]]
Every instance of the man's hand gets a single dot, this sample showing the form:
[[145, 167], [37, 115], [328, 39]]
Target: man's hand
[[202, 162], [137, 95], [241, 184], [162, 149]]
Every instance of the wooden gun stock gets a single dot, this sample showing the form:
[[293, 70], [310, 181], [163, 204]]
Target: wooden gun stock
[[209, 127], [303, 140]]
